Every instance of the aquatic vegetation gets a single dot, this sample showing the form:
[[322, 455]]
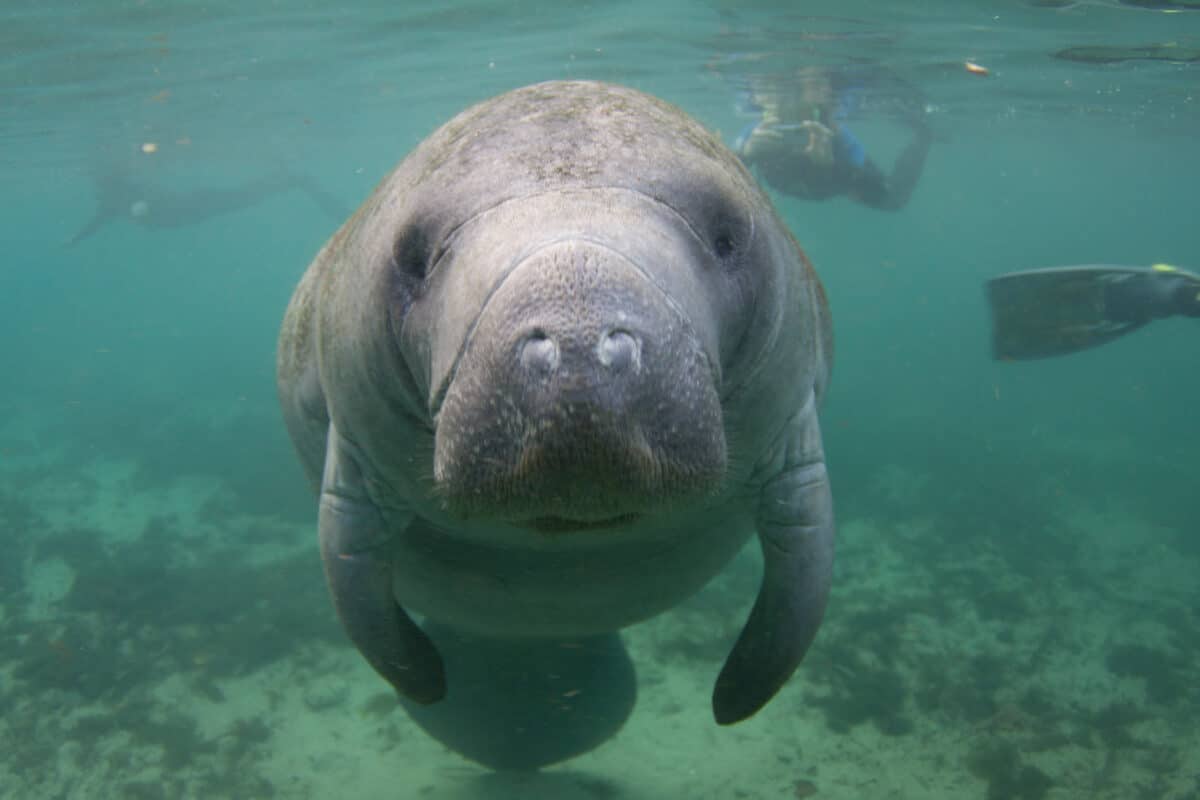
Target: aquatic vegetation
[[1008, 778]]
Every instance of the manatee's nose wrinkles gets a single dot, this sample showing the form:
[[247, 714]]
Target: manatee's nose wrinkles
[[583, 384]]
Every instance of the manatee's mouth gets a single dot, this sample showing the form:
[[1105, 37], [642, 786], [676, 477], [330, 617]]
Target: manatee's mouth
[[558, 525]]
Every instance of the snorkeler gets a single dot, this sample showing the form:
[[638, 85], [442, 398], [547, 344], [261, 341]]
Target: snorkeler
[[1050, 312], [802, 147], [120, 195]]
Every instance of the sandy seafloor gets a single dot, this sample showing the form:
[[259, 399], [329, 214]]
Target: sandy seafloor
[[145, 657]]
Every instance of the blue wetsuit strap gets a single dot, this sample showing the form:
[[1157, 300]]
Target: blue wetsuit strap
[[848, 148], [744, 136]]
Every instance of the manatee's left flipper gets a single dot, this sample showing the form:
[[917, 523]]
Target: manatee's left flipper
[[796, 531], [356, 553]]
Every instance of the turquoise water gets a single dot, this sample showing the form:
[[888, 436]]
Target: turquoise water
[[1014, 613]]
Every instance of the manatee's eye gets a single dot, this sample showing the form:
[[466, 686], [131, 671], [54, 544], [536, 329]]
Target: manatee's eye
[[412, 254], [724, 245], [721, 219], [730, 240]]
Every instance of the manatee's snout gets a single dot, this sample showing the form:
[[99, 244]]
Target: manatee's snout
[[617, 358], [583, 397], [591, 367]]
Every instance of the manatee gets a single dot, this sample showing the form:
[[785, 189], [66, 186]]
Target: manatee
[[547, 381]]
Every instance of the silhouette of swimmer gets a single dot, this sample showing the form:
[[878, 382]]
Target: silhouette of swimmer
[[802, 146], [120, 196]]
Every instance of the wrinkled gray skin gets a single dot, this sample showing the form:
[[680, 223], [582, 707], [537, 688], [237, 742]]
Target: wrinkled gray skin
[[550, 377]]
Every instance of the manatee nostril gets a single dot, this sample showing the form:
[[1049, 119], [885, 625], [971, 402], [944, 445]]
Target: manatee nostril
[[539, 352], [619, 350]]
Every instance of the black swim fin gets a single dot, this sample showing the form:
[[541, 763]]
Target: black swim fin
[[1048, 312]]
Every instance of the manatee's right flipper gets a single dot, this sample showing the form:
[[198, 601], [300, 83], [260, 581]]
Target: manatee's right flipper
[[355, 548], [796, 532], [520, 705]]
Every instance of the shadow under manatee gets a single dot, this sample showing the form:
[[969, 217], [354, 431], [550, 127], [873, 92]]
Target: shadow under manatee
[[519, 705], [120, 194]]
